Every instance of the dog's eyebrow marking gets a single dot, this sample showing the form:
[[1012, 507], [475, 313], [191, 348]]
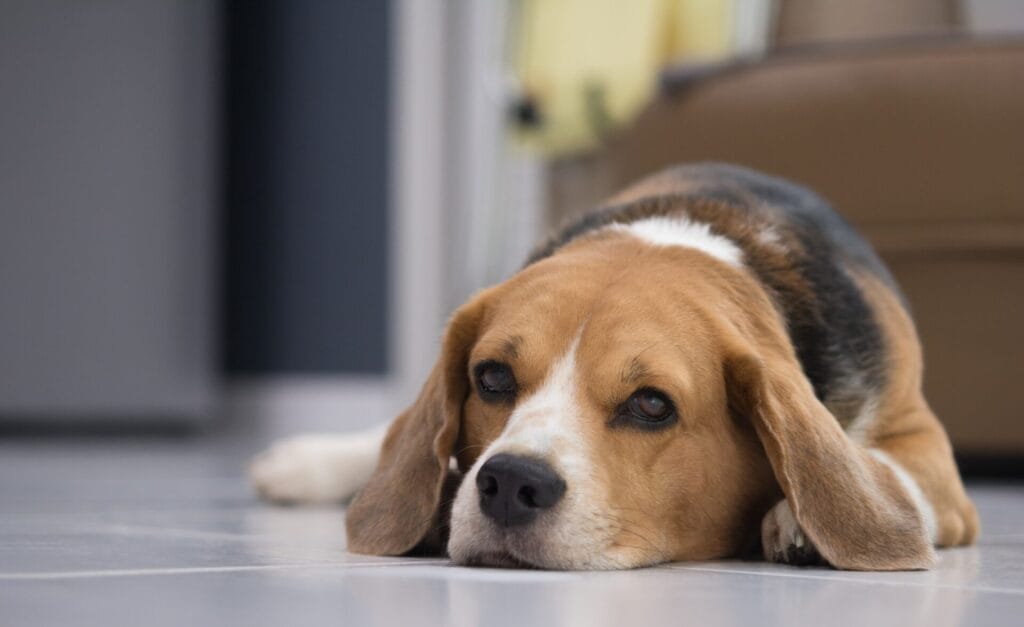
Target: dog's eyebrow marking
[[510, 347], [635, 372], [681, 231]]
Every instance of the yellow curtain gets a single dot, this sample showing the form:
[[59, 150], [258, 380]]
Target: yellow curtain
[[588, 66]]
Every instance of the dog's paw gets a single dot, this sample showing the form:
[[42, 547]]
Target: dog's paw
[[783, 540], [308, 469]]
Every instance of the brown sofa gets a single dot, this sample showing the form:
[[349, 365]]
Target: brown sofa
[[921, 145]]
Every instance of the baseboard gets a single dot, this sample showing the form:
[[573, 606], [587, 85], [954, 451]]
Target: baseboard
[[280, 406], [982, 465]]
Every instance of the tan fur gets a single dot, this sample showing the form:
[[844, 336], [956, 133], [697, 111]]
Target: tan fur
[[750, 431], [660, 184], [907, 429]]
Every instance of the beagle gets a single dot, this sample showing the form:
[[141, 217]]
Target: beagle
[[711, 362]]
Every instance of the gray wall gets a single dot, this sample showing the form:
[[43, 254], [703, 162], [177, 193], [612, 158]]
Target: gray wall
[[306, 233], [108, 183]]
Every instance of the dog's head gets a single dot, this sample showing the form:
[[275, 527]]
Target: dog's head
[[608, 407]]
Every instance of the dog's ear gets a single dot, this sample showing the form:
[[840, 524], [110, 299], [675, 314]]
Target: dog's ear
[[851, 505], [401, 507]]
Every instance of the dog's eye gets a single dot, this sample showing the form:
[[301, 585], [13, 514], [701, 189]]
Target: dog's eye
[[647, 408], [649, 405], [495, 381]]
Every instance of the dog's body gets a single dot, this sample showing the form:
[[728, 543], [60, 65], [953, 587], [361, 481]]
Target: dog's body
[[712, 358]]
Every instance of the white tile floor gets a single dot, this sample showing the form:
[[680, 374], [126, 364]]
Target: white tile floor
[[149, 533]]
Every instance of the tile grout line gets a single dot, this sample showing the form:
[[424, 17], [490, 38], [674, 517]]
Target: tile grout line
[[198, 534], [142, 572], [757, 573]]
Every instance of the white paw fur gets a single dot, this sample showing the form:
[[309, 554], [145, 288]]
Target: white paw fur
[[782, 538], [316, 468]]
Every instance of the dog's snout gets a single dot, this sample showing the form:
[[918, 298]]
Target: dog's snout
[[514, 489]]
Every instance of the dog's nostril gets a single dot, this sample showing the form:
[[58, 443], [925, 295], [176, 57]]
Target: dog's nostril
[[487, 485], [526, 496]]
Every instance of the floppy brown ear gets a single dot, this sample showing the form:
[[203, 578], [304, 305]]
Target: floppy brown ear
[[401, 507], [851, 505]]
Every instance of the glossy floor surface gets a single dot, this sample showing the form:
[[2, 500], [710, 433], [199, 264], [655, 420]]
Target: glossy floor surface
[[157, 533]]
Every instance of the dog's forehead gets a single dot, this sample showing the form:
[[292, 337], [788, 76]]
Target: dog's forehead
[[536, 317], [543, 317], [629, 327]]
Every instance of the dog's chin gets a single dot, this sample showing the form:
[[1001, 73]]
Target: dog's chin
[[497, 559], [502, 553], [495, 550], [510, 558], [516, 552]]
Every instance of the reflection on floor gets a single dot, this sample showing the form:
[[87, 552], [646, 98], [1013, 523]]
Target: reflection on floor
[[150, 533]]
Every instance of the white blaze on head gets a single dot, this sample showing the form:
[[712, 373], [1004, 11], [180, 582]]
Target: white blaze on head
[[546, 425], [680, 231]]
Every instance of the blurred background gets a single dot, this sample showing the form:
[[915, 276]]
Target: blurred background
[[255, 216]]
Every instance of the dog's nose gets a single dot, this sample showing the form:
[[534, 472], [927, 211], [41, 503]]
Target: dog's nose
[[514, 489]]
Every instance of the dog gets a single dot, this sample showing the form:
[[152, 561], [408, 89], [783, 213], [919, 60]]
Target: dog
[[710, 364]]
